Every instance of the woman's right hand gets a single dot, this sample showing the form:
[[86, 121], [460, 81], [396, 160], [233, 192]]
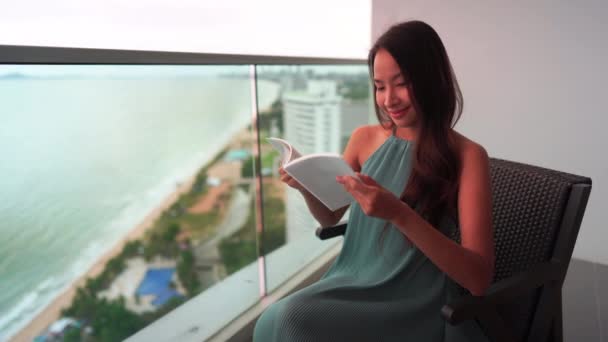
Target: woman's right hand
[[287, 179]]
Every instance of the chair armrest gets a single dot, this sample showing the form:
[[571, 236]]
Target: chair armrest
[[469, 307], [325, 233]]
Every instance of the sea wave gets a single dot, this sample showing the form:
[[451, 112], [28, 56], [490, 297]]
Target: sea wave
[[28, 306], [34, 302], [135, 209]]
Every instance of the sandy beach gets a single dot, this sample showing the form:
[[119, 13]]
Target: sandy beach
[[53, 310]]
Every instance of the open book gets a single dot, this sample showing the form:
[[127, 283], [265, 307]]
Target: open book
[[317, 173]]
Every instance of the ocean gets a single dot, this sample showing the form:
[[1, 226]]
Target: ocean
[[84, 159]]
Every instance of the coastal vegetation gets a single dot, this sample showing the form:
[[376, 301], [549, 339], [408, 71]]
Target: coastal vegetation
[[355, 89], [243, 247], [169, 237], [272, 114], [178, 230], [247, 171], [173, 236]]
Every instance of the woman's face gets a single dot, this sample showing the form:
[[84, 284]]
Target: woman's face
[[392, 93]]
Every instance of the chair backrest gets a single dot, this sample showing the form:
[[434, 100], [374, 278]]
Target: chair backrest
[[532, 209], [536, 217], [529, 205]]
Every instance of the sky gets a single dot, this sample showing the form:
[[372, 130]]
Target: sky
[[311, 28], [120, 70], [162, 70]]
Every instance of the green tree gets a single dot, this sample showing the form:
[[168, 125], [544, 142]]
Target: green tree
[[200, 183], [131, 248], [83, 305], [187, 273], [241, 249], [274, 225], [171, 232], [72, 335], [275, 113], [237, 254], [356, 89], [115, 266], [113, 322], [247, 168]]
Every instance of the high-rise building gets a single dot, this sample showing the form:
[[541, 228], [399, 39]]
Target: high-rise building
[[312, 117], [312, 121]]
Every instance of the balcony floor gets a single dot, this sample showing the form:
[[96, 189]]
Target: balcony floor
[[585, 302]]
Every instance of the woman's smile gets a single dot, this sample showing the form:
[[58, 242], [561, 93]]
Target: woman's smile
[[398, 113]]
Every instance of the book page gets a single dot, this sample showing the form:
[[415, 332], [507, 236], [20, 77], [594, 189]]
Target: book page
[[287, 152], [317, 173]]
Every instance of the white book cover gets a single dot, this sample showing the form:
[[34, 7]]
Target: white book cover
[[317, 173]]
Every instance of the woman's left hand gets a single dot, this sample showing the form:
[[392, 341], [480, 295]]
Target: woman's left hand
[[372, 197]]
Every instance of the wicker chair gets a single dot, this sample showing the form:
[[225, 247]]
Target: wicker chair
[[537, 214]]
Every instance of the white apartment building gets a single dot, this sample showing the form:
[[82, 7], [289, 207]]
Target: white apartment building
[[312, 117], [313, 123]]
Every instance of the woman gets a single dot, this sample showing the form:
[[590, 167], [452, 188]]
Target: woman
[[417, 180]]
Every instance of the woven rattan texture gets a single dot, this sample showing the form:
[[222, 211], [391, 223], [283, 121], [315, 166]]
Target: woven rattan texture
[[528, 205]]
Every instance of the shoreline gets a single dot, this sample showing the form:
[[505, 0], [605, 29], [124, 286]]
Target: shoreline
[[52, 311]]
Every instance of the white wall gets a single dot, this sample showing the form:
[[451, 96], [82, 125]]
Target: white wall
[[337, 28], [534, 80]]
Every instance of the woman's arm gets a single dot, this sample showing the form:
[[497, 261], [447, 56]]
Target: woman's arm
[[470, 264], [323, 215]]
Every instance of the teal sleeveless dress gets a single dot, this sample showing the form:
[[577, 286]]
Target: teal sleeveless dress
[[379, 288]]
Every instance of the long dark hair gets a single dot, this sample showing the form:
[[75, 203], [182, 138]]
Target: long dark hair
[[433, 184]]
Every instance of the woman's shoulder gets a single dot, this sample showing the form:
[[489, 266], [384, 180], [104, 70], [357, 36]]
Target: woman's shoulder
[[469, 151], [370, 133], [363, 141], [368, 137]]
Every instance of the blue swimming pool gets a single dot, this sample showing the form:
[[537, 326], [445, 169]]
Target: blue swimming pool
[[235, 155], [157, 282]]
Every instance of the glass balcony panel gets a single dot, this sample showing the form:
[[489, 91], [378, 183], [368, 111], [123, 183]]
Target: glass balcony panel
[[319, 107], [126, 192]]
